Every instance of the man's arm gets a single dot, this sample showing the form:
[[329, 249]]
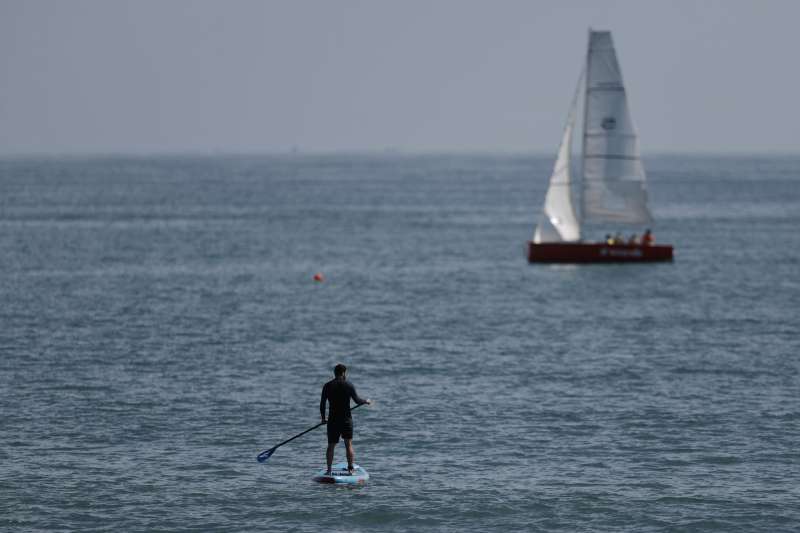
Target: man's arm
[[356, 398], [322, 401]]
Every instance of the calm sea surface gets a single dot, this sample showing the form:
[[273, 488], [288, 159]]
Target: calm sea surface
[[159, 327]]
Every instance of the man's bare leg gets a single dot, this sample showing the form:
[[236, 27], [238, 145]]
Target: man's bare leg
[[329, 455], [351, 454]]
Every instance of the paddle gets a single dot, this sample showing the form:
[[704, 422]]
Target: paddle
[[266, 454]]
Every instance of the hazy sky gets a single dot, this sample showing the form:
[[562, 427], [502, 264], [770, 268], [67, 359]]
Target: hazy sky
[[266, 76]]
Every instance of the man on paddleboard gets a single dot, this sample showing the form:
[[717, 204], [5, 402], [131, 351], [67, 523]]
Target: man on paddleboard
[[338, 392]]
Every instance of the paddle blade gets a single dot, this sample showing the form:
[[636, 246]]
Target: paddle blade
[[266, 454]]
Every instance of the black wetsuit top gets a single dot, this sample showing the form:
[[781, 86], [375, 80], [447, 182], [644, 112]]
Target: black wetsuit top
[[338, 392]]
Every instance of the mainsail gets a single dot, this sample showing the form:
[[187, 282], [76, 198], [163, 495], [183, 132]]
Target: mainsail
[[558, 222], [613, 174]]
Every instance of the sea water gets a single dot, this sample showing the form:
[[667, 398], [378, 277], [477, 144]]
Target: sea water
[[159, 327]]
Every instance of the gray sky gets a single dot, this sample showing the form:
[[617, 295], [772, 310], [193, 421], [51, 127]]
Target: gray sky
[[330, 75]]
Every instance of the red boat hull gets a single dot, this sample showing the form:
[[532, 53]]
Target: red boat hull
[[596, 252]]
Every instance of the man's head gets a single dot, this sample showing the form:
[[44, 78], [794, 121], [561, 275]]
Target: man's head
[[339, 370]]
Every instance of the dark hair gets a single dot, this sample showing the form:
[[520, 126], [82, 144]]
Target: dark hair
[[339, 370]]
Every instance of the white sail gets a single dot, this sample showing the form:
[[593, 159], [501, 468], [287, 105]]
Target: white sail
[[613, 175], [558, 222]]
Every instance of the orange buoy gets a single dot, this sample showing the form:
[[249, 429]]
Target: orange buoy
[[319, 277]]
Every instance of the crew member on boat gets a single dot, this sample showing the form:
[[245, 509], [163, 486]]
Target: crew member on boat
[[647, 238]]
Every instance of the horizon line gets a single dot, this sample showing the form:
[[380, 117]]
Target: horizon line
[[388, 152]]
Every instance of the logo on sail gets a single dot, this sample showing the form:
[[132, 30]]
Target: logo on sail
[[609, 123]]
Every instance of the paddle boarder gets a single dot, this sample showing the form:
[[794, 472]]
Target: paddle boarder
[[338, 392]]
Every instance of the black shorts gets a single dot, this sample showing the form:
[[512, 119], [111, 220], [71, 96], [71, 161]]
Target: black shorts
[[343, 428]]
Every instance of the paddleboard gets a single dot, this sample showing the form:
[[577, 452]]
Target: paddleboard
[[340, 475]]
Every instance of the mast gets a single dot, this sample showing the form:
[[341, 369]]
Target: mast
[[583, 127]]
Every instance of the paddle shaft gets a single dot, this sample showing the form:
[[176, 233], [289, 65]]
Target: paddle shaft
[[306, 431]]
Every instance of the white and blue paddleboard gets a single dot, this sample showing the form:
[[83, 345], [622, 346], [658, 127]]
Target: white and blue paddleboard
[[340, 475]]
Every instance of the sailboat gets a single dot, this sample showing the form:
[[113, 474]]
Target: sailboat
[[612, 183]]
